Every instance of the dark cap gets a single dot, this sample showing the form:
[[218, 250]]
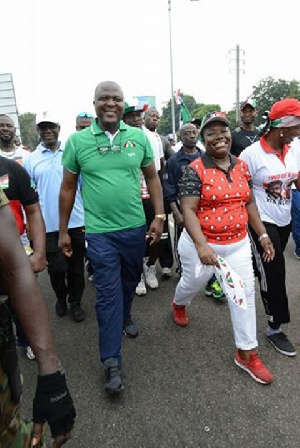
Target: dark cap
[[211, 117], [249, 102], [196, 121]]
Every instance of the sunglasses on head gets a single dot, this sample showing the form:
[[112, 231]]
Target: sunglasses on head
[[84, 115], [47, 125]]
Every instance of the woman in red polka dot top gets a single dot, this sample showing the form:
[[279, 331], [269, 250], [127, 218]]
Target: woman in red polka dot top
[[217, 204]]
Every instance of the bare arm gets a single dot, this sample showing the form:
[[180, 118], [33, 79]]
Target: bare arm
[[66, 202], [257, 225], [297, 183], [38, 235], [25, 294], [254, 217], [176, 213], [66, 198], [189, 207], [155, 191], [154, 188]]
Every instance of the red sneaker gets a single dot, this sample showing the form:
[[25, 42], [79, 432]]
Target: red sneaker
[[254, 367], [179, 315]]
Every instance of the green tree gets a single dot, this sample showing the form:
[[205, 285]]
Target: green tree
[[197, 110], [270, 90], [29, 135], [231, 115], [204, 109]]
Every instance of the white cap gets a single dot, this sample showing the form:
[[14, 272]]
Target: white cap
[[46, 117]]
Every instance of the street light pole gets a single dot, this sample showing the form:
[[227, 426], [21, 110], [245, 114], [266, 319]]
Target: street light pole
[[171, 69]]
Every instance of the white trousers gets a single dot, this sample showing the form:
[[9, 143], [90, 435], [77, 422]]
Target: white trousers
[[195, 275]]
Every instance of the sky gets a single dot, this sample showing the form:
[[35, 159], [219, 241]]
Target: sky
[[59, 50]]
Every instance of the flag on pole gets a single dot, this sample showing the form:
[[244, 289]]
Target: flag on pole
[[185, 116], [184, 113]]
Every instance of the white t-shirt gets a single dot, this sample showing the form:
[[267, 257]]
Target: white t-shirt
[[272, 179], [158, 153], [18, 155], [157, 146]]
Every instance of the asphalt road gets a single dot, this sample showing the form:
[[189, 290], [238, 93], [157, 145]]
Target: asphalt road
[[182, 388]]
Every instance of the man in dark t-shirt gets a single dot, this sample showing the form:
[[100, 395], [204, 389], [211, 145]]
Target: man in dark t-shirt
[[18, 188], [246, 134]]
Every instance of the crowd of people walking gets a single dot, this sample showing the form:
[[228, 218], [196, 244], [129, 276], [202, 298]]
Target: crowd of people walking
[[106, 200]]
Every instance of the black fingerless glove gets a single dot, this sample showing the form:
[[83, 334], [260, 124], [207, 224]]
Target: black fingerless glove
[[53, 403]]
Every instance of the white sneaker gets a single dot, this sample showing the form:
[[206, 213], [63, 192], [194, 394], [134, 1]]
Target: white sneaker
[[141, 290], [29, 353], [150, 276], [166, 273]]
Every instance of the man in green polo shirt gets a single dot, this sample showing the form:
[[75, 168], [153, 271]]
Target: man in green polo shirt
[[109, 156]]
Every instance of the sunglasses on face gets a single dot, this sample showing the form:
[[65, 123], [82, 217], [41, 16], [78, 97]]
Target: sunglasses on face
[[84, 115]]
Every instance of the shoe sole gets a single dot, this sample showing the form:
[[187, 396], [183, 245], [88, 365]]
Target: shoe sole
[[208, 293], [114, 391], [31, 357], [130, 335], [180, 324], [141, 294], [151, 287], [166, 276], [291, 354], [258, 380]]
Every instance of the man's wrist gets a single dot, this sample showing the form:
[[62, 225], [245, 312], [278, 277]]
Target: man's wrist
[[161, 216], [48, 364]]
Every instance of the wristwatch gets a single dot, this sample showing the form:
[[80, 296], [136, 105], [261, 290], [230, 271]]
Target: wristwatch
[[262, 236], [163, 217]]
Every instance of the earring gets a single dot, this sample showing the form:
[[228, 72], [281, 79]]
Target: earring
[[281, 134]]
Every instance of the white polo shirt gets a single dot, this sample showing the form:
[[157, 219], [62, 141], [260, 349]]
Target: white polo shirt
[[273, 176]]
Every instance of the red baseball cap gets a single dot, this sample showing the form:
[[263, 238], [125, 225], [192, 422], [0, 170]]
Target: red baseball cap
[[285, 108]]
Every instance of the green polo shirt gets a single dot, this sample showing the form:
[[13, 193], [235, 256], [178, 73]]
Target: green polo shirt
[[110, 175]]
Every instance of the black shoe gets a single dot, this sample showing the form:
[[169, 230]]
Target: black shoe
[[113, 376], [130, 329], [77, 312], [61, 307], [166, 273], [281, 343]]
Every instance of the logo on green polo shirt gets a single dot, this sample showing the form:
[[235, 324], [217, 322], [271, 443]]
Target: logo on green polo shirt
[[129, 143]]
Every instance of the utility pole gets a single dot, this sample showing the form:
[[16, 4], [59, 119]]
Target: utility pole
[[171, 70], [238, 61]]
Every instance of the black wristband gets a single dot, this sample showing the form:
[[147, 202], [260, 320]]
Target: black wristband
[[51, 382]]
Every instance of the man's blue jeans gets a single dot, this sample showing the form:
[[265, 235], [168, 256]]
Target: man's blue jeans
[[117, 261], [296, 219]]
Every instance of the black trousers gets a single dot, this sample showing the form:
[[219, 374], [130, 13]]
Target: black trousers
[[166, 252], [272, 275], [66, 273]]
